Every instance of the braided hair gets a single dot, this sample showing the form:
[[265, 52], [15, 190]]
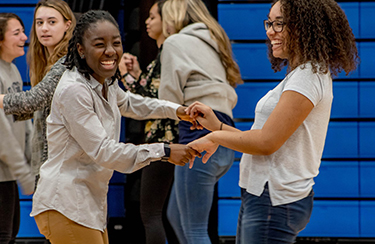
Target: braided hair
[[86, 21]]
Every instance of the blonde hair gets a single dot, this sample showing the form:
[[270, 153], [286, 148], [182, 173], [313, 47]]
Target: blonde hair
[[180, 13], [38, 58]]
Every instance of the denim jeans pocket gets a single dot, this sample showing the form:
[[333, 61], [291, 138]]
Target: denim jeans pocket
[[299, 213]]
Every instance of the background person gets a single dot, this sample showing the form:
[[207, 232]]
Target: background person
[[15, 136], [51, 31], [156, 178], [196, 65]]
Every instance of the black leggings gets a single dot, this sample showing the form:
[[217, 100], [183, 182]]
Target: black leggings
[[156, 183], [9, 212]]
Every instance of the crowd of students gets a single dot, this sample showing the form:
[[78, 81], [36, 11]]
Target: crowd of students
[[187, 95]]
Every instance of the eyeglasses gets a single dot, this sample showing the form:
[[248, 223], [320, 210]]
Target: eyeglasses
[[277, 25]]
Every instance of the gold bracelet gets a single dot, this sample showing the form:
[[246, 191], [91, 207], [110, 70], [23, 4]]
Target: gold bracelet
[[221, 125]]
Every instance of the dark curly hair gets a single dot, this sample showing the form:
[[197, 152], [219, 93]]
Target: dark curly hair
[[317, 32], [87, 20]]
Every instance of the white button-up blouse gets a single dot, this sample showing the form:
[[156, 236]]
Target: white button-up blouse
[[83, 133]]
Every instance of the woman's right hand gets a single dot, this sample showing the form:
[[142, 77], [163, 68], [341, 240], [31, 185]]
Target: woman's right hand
[[204, 115], [182, 154], [129, 64]]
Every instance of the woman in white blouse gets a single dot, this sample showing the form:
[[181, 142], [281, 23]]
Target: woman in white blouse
[[70, 203]]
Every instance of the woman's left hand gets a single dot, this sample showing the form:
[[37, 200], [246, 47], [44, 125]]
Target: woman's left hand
[[204, 144]]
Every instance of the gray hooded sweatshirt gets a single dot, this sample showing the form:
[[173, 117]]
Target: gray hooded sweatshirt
[[191, 70], [14, 135]]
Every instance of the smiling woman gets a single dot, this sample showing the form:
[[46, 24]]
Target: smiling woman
[[83, 136], [14, 143], [51, 31], [102, 50], [282, 151]]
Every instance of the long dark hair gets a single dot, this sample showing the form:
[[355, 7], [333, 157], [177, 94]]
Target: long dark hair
[[87, 20]]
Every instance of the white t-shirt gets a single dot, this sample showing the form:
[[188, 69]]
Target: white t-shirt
[[291, 169]]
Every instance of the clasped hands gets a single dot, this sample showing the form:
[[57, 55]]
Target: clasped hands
[[202, 117]]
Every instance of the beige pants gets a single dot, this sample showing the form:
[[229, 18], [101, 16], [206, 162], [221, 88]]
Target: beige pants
[[61, 230]]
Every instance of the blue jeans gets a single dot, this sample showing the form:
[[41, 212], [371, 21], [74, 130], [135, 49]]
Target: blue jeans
[[192, 194], [259, 222]]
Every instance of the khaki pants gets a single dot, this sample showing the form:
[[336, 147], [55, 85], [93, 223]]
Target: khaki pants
[[60, 230]]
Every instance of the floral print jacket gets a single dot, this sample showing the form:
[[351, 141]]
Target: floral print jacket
[[159, 130]]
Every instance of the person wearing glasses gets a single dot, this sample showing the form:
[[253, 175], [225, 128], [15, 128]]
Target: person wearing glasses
[[283, 149]]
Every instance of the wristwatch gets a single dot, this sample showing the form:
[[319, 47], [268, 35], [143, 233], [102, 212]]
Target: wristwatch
[[167, 152]]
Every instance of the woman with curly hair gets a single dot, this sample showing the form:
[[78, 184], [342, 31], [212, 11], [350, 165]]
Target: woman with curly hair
[[51, 31], [283, 149]]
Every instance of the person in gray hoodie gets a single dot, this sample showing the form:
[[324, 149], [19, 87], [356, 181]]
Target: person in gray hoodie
[[196, 65], [14, 143]]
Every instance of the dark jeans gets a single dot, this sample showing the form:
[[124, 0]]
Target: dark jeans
[[9, 212], [156, 183], [259, 222]]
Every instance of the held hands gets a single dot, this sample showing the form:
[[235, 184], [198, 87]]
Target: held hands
[[129, 64], [204, 144], [201, 116], [185, 116], [204, 115], [182, 154]]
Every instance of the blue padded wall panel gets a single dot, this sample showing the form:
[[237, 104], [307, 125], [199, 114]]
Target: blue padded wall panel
[[342, 140], [367, 213], [243, 21], [367, 139], [253, 61], [366, 53], [228, 184], [367, 179], [118, 177], [228, 215], [367, 21], [345, 100], [337, 179], [28, 227], [367, 99], [352, 13], [354, 74], [25, 13], [19, 1], [115, 200], [333, 219], [21, 64], [248, 96], [243, 126]]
